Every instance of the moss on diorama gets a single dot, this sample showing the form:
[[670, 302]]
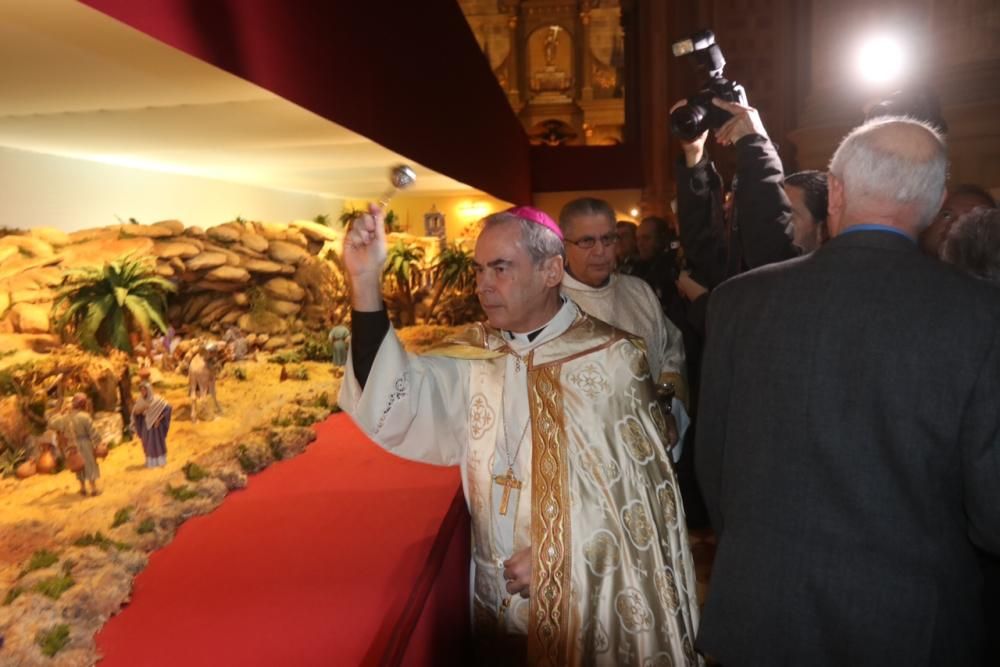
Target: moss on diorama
[[181, 493], [122, 516], [260, 310], [145, 526], [298, 373], [194, 472], [41, 559], [53, 640], [55, 586], [316, 348], [286, 357], [12, 594], [246, 461], [100, 541], [277, 449], [8, 385]]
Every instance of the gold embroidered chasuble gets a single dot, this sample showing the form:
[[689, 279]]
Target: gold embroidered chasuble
[[630, 304], [612, 574]]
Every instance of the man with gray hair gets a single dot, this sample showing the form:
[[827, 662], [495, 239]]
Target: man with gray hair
[[849, 450], [580, 552]]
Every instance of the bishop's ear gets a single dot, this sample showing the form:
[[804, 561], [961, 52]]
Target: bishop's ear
[[553, 270]]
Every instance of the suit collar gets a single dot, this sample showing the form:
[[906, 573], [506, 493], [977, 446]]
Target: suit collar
[[872, 238]]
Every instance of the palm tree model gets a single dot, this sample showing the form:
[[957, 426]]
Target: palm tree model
[[103, 306], [402, 267], [453, 269]]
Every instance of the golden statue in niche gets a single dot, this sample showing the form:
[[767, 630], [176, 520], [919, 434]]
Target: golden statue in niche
[[565, 64], [552, 44], [551, 81]]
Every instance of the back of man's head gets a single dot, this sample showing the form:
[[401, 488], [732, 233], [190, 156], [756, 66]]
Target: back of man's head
[[973, 243], [892, 171]]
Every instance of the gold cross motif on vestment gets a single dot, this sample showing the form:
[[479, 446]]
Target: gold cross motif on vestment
[[508, 482]]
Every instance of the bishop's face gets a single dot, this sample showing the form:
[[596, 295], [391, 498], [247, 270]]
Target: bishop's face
[[516, 294]]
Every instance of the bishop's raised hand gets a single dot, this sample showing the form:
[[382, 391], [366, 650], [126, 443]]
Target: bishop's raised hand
[[364, 258]]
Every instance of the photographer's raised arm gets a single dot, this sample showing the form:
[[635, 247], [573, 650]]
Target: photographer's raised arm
[[762, 214], [699, 210]]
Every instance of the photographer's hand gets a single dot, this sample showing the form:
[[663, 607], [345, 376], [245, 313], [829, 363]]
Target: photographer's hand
[[694, 150], [745, 121]]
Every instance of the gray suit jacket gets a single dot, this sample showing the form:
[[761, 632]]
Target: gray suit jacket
[[849, 453]]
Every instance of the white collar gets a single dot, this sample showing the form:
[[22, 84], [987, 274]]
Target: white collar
[[569, 282], [554, 328]]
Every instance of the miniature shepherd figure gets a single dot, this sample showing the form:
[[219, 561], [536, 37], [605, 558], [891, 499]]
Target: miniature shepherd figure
[[339, 338], [151, 422], [79, 438]]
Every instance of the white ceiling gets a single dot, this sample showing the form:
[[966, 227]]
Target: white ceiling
[[76, 83]]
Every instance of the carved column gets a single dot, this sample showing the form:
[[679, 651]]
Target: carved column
[[659, 25], [586, 64], [514, 65]]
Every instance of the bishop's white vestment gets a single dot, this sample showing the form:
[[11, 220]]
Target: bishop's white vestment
[[573, 417]]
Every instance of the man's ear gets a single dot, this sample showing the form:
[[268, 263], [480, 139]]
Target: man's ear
[[835, 204], [553, 269]]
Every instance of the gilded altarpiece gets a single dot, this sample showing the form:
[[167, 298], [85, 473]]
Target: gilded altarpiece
[[561, 64]]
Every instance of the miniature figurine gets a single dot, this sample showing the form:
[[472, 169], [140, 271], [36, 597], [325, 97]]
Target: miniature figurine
[[237, 342], [80, 437], [151, 422], [340, 336]]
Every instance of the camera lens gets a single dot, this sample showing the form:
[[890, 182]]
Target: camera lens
[[688, 121]]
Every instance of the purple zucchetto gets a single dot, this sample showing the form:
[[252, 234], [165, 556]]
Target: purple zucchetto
[[537, 216]]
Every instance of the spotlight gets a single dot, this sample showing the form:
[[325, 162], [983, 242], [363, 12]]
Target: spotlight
[[881, 59], [634, 212]]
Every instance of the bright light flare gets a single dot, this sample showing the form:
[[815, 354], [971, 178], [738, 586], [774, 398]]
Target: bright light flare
[[881, 59], [634, 212]]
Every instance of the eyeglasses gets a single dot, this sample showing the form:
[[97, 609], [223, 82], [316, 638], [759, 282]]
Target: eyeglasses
[[588, 242]]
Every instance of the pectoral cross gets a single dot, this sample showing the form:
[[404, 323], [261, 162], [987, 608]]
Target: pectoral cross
[[508, 482]]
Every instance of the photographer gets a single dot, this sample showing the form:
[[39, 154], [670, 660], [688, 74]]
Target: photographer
[[754, 228]]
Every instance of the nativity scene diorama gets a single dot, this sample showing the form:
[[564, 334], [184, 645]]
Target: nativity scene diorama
[[147, 369]]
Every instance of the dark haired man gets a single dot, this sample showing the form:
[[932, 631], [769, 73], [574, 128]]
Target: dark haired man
[[807, 194]]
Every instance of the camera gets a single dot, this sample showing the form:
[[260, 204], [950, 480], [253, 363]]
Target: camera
[[699, 114]]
